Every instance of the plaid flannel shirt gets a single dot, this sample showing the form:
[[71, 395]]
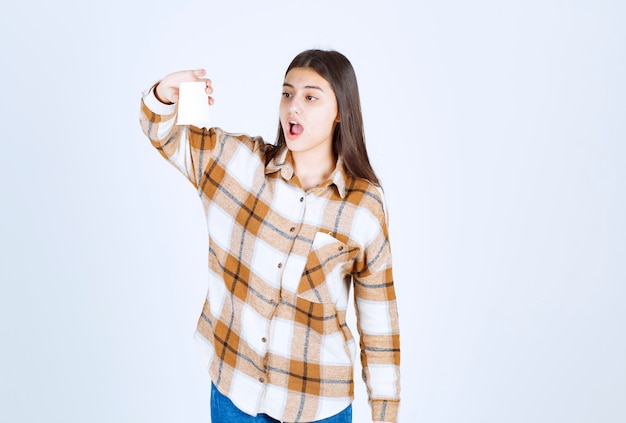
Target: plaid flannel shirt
[[281, 265]]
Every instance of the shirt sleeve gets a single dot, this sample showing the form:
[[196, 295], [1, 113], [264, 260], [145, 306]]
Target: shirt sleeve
[[184, 146], [377, 322]]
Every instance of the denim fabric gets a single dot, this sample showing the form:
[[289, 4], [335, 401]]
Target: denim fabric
[[224, 411]]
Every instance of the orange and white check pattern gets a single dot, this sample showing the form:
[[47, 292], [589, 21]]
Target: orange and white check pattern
[[281, 265]]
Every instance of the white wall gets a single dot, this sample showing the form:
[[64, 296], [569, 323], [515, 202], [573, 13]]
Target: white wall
[[497, 129]]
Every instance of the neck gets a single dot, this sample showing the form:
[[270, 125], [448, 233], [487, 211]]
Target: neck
[[313, 168]]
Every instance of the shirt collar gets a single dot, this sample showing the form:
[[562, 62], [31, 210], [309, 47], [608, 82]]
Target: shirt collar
[[283, 163]]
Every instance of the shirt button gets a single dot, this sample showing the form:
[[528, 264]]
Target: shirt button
[[262, 380], [264, 339], [340, 248], [301, 199], [272, 302], [280, 265], [292, 229]]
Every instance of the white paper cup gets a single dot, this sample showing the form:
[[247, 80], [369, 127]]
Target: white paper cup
[[193, 104]]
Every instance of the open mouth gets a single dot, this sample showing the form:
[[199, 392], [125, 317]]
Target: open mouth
[[295, 128]]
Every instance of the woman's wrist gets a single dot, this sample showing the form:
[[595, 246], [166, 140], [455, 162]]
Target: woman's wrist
[[156, 94]]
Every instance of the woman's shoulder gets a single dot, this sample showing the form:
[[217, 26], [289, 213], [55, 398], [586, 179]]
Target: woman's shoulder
[[363, 186], [366, 194]]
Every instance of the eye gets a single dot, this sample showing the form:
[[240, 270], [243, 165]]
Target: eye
[[311, 98], [287, 95]]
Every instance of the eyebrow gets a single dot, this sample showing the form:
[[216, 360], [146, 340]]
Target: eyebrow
[[314, 87]]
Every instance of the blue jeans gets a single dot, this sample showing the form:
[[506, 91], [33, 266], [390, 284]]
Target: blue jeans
[[224, 411]]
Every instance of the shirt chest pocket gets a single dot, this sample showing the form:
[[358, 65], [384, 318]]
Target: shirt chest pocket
[[324, 272]]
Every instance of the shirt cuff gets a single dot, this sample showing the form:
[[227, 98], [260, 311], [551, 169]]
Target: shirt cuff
[[385, 410], [155, 105]]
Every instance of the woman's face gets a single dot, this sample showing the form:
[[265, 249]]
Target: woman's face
[[308, 111]]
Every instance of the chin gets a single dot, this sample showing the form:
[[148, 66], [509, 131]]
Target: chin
[[293, 145]]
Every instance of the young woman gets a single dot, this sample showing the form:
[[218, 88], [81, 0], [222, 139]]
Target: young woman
[[292, 227]]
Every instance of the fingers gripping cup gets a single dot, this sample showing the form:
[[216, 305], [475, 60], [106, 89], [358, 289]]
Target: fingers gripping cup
[[193, 104]]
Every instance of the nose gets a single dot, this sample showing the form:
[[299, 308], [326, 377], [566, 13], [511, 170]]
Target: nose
[[294, 107]]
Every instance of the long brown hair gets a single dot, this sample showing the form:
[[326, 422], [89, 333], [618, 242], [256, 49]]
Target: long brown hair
[[349, 136]]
